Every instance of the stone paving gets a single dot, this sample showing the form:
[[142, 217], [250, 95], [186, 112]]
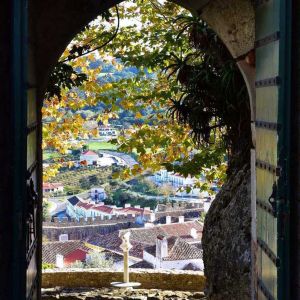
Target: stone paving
[[118, 294]]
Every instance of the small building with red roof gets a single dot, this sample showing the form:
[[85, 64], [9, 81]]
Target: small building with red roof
[[79, 208], [63, 253], [90, 157], [53, 187]]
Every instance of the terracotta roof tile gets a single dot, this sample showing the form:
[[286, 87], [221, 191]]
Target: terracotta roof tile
[[84, 205], [144, 237], [111, 241], [178, 249], [49, 185], [51, 249], [181, 250], [103, 208], [148, 235], [89, 153]]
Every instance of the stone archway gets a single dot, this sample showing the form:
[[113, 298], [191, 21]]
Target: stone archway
[[233, 21]]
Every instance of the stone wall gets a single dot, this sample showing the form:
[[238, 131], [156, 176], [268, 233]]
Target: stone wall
[[187, 213], [80, 232], [119, 219], [149, 279], [63, 222]]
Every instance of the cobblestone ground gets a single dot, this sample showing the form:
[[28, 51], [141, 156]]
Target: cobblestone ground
[[118, 294]]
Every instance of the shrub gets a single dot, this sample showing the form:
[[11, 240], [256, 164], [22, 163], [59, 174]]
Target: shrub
[[46, 266], [98, 260]]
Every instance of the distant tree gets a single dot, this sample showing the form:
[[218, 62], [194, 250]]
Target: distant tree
[[84, 183], [120, 197], [167, 190], [76, 265], [145, 185], [202, 217], [85, 147], [45, 238], [46, 206], [98, 260], [46, 266], [94, 180]]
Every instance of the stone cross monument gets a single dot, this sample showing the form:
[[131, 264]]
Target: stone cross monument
[[125, 246]]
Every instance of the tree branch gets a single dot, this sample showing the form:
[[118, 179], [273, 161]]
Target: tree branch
[[101, 46]]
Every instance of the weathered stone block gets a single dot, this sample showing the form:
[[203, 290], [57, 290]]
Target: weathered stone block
[[227, 240]]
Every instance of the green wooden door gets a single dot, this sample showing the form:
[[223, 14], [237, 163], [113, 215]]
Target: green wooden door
[[27, 242], [272, 128], [33, 208]]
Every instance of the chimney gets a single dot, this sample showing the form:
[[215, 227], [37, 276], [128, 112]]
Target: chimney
[[181, 219], [148, 225], [59, 261], [127, 205], [152, 217], [63, 237], [168, 220], [161, 247], [194, 233], [137, 206]]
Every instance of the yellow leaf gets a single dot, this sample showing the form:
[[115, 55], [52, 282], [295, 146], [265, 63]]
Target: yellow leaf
[[138, 115]]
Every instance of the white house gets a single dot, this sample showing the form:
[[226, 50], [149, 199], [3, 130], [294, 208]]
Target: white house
[[173, 253], [98, 194], [108, 131], [161, 176], [78, 208], [178, 181], [90, 157], [174, 178], [106, 160], [49, 187]]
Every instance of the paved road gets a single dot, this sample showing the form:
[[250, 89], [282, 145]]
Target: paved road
[[126, 157]]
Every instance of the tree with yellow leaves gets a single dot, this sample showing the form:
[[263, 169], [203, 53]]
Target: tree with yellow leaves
[[158, 44]]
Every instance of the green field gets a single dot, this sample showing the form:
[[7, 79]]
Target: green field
[[72, 177], [101, 146], [48, 155]]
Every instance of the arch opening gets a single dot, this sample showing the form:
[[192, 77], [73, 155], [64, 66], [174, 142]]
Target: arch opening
[[249, 159]]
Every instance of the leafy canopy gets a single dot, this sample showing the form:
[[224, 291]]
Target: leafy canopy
[[185, 75]]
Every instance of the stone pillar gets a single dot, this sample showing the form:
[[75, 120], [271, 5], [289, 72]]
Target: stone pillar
[[126, 246]]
